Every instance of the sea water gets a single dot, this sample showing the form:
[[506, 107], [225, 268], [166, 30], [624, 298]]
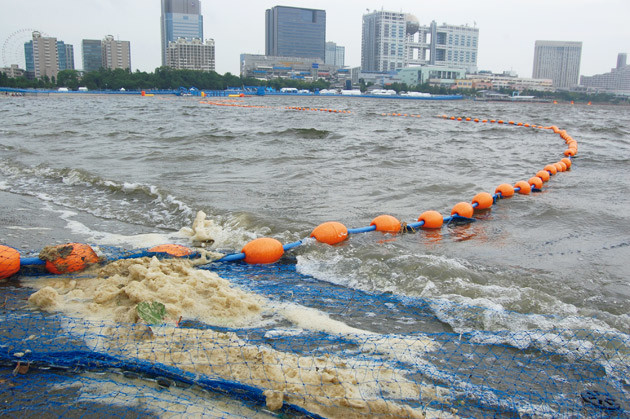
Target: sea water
[[131, 171]]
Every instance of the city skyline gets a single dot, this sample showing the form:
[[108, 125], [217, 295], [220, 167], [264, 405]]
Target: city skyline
[[506, 35]]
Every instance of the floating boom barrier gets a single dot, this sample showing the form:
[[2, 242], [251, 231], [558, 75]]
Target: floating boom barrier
[[74, 257]]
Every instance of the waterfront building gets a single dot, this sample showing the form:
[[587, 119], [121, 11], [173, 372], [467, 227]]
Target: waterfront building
[[558, 61], [180, 19], [13, 71], [295, 32], [66, 56], [92, 54], [395, 40], [41, 56], [115, 54], [617, 81], [507, 80], [266, 67], [438, 75], [335, 54], [191, 55]]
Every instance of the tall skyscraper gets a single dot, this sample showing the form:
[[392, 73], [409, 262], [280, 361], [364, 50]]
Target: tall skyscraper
[[558, 61], [42, 58], [66, 56], [394, 40], [335, 54], [295, 32], [383, 41], [180, 19], [92, 54], [116, 54]]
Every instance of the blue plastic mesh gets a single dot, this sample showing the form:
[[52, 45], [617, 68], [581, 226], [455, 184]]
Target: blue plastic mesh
[[75, 370]]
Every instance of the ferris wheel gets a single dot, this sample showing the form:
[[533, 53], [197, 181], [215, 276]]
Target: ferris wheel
[[13, 47]]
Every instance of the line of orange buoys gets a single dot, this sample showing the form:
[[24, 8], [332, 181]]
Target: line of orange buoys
[[401, 114], [269, 250], [299, 108]]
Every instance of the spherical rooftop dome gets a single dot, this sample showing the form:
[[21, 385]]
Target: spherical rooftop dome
[[412, 24]]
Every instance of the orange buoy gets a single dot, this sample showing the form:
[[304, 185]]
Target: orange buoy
[[172, 249], [525, 187], [386, 224], [432, 219], [263, 250], [560, 166], [66, 258], [505, 189], [543, 175], [511, 122], [468, 119], [483, 200], [459, 118], [570, 152], [463, 209], [9, 261], [536, 182], [484, 120], [476, 120], [330, 232], [551, 169], [500, 121], [566, 161], [493, 121]]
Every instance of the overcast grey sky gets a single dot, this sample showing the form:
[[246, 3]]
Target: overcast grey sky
[[507, 28]]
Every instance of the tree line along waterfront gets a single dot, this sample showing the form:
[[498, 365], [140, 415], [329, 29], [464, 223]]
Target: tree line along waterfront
[[165, 78]]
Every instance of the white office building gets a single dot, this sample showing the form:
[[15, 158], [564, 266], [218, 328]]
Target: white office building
[[558, 61]]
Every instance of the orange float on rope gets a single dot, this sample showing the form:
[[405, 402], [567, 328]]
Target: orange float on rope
[[543, 175], [567, 162], [463, 209], [263, 250], [506, 190], [9, 261], [551, 169], [560, 166], [525, 187], [483, 200], [172, 249], [330, 232], [386, 224], [66, 258], [536, 182], [570, 152], [432, 219]]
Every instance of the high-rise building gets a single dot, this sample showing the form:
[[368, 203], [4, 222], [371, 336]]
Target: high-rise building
[[622, 60], [295, 32], [191, 55], [394, 40], [383, 41], [41, 56], [335, 54], [116, 54], [180, 19], [617, 81], [66, 56], [92, 54], [558, 61]]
